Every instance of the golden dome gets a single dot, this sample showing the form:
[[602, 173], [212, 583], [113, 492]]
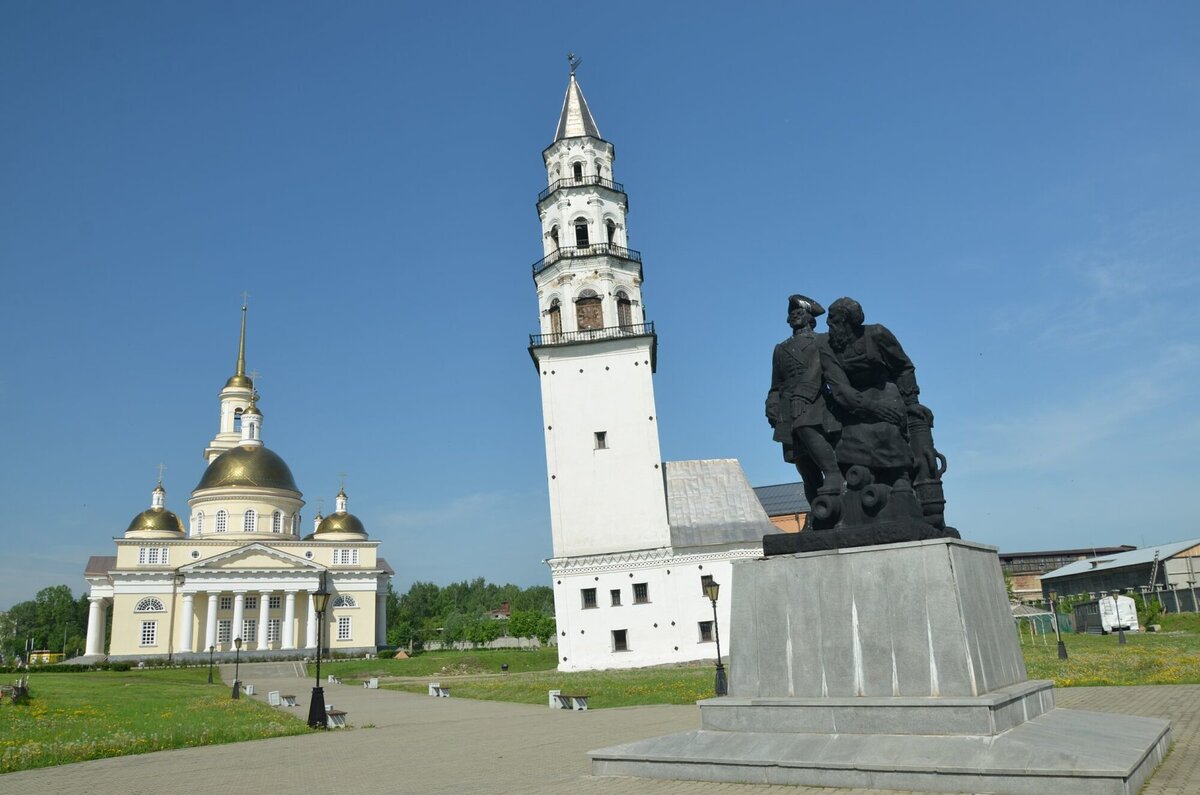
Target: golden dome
[[239, 381], [157, 521], [341, 522], [255, 467]]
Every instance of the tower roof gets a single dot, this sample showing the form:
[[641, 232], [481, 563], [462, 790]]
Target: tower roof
[[576, 119], [240, 378]]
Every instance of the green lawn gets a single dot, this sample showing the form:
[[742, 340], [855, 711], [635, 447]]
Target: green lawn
[[73, 717], [446, 663], [1154, 658]]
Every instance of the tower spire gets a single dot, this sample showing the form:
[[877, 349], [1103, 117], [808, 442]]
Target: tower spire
[[576, 120], [239, 378]]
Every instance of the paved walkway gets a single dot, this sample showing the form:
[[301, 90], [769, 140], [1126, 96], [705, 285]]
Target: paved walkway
[[406, 743]]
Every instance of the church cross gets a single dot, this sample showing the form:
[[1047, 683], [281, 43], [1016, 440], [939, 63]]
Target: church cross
[[161, 468]]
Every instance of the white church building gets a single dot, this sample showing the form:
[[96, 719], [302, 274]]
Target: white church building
[[242, 569], [634, 537]]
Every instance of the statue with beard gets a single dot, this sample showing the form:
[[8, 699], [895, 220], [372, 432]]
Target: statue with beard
[[884, 448]]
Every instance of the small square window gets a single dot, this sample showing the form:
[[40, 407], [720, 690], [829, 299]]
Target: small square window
[[273, 602], [601, 440], [251, 603], [619, 640], [641, 593], [589, 597], [706, 631], [225, 603], [615, 595]]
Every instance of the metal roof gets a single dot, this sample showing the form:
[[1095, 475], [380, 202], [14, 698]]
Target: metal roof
[[1137, 557], [100, 564], [576, 119], [782, 499], [711, 502]]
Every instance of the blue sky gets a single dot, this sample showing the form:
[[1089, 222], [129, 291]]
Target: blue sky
[[1011, 188]]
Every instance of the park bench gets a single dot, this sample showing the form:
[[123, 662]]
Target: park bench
[[336, 718], [333, 680], [559, 700], [273, 698], [249, 689], [372, 683], [289, 700], [436, 689]]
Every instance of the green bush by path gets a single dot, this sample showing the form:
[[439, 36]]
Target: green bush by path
[[445, 663], [73, 717]]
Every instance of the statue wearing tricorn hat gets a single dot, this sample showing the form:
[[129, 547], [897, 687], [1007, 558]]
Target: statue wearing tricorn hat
[[798, 403]]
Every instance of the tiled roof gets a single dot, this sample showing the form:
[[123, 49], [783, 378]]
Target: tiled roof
[[782, 499]]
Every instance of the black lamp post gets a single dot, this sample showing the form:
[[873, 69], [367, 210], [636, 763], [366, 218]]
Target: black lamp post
[[722, 684], [237, 661], [1062, 647], [316, 707], [211, 649]]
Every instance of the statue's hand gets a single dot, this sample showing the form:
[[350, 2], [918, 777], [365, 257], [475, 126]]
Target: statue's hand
[[886, 412]]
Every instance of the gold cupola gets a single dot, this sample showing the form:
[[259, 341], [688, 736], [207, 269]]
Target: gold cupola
[[341, 525], [156, 521]]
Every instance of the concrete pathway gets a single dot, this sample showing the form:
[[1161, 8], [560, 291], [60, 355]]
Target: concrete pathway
[[406, 743]]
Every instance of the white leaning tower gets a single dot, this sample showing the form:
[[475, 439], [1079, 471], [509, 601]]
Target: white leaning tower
[[618, 529]]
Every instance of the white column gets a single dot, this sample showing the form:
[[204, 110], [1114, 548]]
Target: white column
[[289, 621], [264, 600], [239, 613], [380, 619], [95, 627], [210, 629], [185, 626], [311, 641]]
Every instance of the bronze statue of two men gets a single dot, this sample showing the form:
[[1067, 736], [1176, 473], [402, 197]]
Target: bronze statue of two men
[[845, 405]]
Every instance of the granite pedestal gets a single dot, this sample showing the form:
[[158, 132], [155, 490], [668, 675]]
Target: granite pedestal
[[893, 667]]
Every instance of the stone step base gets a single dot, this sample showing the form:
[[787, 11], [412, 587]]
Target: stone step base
[[1067, 752]]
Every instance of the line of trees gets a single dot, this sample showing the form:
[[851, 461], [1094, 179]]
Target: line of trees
[[459, 611], [53, 620]]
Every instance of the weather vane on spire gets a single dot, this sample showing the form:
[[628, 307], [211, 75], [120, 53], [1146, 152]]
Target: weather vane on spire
[[245, 295], [342, 485], [574, 62], [161, 467]]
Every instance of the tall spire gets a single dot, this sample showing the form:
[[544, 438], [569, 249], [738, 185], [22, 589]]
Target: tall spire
[[576, 119], [239, 378]]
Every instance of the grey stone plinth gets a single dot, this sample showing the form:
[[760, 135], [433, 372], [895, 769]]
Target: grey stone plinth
[[1065, 752], [920, 618], [984, 715], [890, 667]]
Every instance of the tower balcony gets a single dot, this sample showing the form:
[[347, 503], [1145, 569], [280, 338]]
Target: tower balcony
[[581, 182], [594, 250], [591, 335]]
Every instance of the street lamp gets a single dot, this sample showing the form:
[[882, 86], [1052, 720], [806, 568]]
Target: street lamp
[[711, 590], [211, 649], [316, 707], [1062, 647], [237, 660]]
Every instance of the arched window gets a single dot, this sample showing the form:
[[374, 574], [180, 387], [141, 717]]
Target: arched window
[[555, 313], [277, 522], [588, 313], [554, 236], [611, 228], [149, 605], [577, 169], [344, 600], [237, 421], [250, 521], [222, 521], [198, 525], [599, 169], [581, 233], [624, 310]]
